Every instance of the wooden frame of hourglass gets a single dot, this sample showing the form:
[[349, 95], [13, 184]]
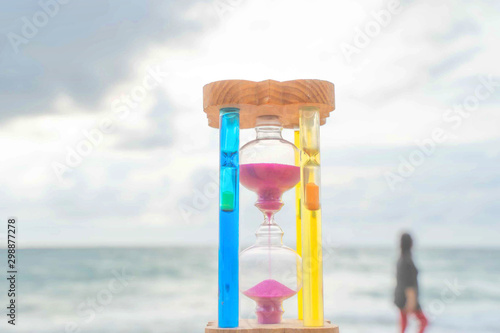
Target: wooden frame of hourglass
[[302, 105]]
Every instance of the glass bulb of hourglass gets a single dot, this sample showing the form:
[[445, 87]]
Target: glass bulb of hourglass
[[270, 272], [267, 165]]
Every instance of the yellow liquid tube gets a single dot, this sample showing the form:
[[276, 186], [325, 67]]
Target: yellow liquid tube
[[298, 221], [310, 182]]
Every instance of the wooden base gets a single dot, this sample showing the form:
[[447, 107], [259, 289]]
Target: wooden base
[[286, 326]]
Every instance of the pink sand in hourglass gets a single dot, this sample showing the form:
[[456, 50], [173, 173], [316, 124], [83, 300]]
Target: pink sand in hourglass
[[269, 294], [269, 181]]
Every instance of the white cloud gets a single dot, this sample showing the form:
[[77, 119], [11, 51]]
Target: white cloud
[[393, 94]]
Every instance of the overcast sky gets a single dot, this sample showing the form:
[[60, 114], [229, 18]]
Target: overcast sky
[[104, 140]]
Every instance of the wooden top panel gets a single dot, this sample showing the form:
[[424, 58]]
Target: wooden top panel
[[283, 99]]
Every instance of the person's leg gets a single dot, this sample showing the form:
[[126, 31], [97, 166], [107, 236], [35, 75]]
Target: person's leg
[[423, 321], [404, 321]]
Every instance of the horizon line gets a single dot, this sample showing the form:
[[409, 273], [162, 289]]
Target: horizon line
[[143, 246]]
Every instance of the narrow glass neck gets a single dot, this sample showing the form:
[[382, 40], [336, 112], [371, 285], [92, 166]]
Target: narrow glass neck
[[269, 233], [268, 127], [268, 218]]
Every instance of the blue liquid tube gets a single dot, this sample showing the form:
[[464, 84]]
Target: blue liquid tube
[[229, 174]]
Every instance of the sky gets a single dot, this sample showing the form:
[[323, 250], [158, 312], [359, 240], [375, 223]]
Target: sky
[[104, 141]]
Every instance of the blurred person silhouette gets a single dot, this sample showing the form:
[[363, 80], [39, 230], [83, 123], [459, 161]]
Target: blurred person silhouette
[[406, 293]]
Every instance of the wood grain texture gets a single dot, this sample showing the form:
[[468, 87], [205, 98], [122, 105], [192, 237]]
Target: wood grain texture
[[287, 326], [283, 99]]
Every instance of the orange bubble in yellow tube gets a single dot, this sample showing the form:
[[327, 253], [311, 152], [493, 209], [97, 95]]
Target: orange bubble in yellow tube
[[312, 196]]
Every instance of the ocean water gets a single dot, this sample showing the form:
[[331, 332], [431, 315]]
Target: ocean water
[[175, 290]]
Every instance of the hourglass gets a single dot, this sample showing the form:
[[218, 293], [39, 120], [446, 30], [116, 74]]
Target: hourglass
[[269, 272]]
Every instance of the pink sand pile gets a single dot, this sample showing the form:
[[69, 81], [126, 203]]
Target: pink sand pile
[[269, 294], [271, 289]]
